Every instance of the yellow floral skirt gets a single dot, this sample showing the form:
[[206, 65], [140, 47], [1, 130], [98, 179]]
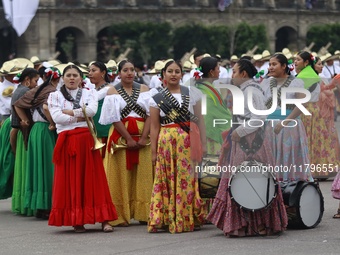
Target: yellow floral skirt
[[175, 201], [322, 154]]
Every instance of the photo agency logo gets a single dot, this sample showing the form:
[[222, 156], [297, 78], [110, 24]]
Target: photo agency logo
[[238, 103]]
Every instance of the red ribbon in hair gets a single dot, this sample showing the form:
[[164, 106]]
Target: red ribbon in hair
[[132, 156], [54, 74]]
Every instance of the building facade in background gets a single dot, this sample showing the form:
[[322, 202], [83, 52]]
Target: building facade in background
[[81, 24]]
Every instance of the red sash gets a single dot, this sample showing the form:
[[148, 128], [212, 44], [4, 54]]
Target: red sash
[[61, 140], [132, 156]]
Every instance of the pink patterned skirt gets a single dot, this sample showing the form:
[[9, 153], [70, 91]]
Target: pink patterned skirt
[[235, 221]]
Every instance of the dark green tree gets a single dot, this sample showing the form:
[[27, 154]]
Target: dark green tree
[[317, 34], [149, 41], [212, 39], [248, 36]]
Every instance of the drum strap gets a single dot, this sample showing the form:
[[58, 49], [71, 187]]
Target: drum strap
[[267, 195]]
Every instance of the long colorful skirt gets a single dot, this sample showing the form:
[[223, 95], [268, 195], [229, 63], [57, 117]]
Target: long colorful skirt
[[290, 148], [322, 154], [80, 191], [130, 189], [20, 173], [175, 201], [236, 221], [327, 104], [39, 168], [6, 161], [336, 186]]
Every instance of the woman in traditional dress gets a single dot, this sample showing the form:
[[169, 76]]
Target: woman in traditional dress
[[99, 75], [176, 145], [225, 213], [322, 154], [28, 79], [41, 142], [327, 105], [206, 76], [80, 192], [7, 158], [216, 108], [128, 168], [290, 143]]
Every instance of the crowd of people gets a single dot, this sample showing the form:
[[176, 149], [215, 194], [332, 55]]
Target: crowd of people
[[103, 143]]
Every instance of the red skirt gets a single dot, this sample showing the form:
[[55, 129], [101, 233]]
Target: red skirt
[[80, 191]]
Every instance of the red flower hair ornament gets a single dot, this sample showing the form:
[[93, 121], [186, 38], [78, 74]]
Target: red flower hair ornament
[[54, 73], [198, 73]]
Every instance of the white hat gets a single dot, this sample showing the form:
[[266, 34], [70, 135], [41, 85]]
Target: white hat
[[15, 66], [35, 60], [111, 64], [257, 57], [266, 55], [187, 65], [326, 57], [234, 58]]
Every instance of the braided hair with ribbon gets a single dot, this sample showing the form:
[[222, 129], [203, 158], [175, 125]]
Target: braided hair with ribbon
[[16, 78], [27, 72], [51, 73]]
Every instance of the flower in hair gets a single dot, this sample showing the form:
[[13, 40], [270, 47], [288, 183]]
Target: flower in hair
[[259, 74], [54, 73], [110, 73], [83, 83], [198, 73], [16, 78], [290, 65], [159, 77], [313, 58]]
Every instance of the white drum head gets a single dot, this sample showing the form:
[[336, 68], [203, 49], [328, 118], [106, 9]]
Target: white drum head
[[310, 206], [249, 189]]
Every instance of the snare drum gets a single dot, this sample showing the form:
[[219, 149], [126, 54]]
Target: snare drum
[[209, 178], [305, 204], [251, 187]]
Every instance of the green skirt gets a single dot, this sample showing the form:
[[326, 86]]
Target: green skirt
[[39, 167], [18, 196], [6, 161]]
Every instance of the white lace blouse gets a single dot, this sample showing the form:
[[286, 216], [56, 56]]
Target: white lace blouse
[[102, 92], [57, 103]]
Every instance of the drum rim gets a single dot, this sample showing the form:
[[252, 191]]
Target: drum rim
[[208, 159], [298, 214], [276, 184]]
